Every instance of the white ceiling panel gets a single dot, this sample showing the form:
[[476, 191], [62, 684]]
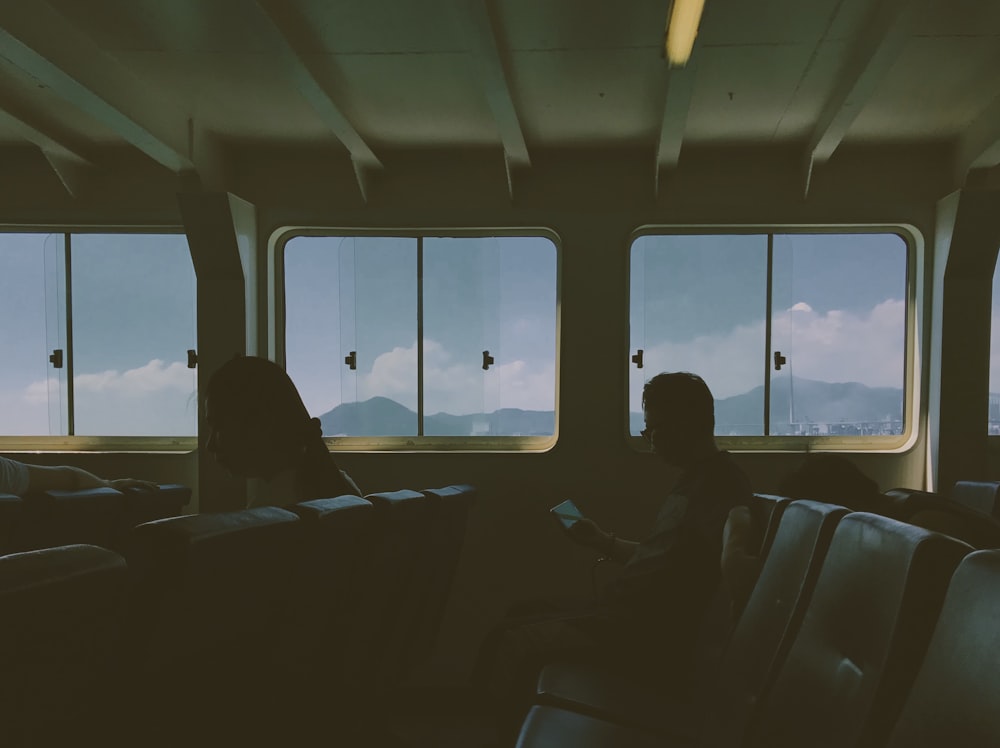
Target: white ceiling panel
[[742, 92], [937, 85], [595, 96], [416, 100]]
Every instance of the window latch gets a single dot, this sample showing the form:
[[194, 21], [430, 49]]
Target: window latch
[[487, 360], [56, 359], [192, 358], [637, 359], [352, 360], [779, 360]]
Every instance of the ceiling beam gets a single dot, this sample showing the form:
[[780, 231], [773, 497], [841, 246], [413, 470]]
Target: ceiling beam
[[884, 32], [51, 50], [66, 160], [477, 28], [677, 102], [295, 36], [979, 146]]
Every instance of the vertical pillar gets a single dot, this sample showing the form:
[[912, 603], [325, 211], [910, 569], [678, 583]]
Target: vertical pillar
[[965, 254], [221, 234]]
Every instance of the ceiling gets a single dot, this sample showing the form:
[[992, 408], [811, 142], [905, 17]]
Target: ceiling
[[192, 83]]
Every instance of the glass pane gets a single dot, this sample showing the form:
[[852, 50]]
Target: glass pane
[[839, 319], [32, 323], [354, 294], [133, 303], [698, 304], [495, 294]]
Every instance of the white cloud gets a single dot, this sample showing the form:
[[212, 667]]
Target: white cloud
[[156, 398], [837, 346], [459, 386]]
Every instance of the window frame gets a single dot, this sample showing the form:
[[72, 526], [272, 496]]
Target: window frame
[[914, 243], [277, 243], [15, 444]]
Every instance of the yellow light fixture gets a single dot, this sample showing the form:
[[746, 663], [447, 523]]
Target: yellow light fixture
[[682, 28]]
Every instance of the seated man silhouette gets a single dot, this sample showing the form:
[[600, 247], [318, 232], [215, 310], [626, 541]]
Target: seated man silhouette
[[649, 619]]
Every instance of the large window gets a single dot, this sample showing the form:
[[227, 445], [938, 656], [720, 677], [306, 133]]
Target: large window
[[94, 329], [801, 335], [424, 340]]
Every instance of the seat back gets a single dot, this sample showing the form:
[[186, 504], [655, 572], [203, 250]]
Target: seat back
[[141, 506], [772, 615], [399, 571], [58, 631], [938, 513], [451, 506], [209, 589], [55, 518], [978, 495], [955, 700], [337, 539], [863, 635], [10, 519]]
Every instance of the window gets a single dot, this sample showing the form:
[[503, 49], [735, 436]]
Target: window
[[95, 332], [800, 335], [423, 340]]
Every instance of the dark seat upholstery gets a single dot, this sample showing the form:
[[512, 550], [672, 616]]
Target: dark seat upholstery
[[10, 519], [55, 518], [935, 512], [205, 613], [58, 629], [141, 506], [401, 572], [337, 538], [795, 547], [864, 634], [847, 670], [955, 700], [450, 512], [978, 495]]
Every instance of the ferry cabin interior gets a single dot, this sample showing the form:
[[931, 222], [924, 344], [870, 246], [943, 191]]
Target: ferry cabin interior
[[247, 126]]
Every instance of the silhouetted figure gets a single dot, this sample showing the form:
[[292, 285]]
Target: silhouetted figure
[[20, 478], [259, 428], [648, 623]]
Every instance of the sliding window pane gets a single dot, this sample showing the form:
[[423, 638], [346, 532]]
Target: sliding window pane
[[32, 325], [839, 321], [133, 304], [495, 294], [699, 304]]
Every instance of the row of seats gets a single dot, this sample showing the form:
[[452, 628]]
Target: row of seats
[[862, 630], [98, 516], [263, 626]]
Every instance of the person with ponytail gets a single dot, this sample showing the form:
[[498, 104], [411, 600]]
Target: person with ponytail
[[259, 428]]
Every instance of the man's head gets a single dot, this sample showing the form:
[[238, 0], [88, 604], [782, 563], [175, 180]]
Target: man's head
[[680, 417]]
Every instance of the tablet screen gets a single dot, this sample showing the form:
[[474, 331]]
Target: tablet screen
[[567, 513]]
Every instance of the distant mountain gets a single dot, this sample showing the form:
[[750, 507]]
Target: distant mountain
[[378, 416], [828, 403], [820, 407], [381, 416]]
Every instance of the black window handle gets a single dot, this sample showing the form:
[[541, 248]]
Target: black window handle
[[779, 360], [352, 360], [56, 359], [192, 358], [487, 360], [637, 359]]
